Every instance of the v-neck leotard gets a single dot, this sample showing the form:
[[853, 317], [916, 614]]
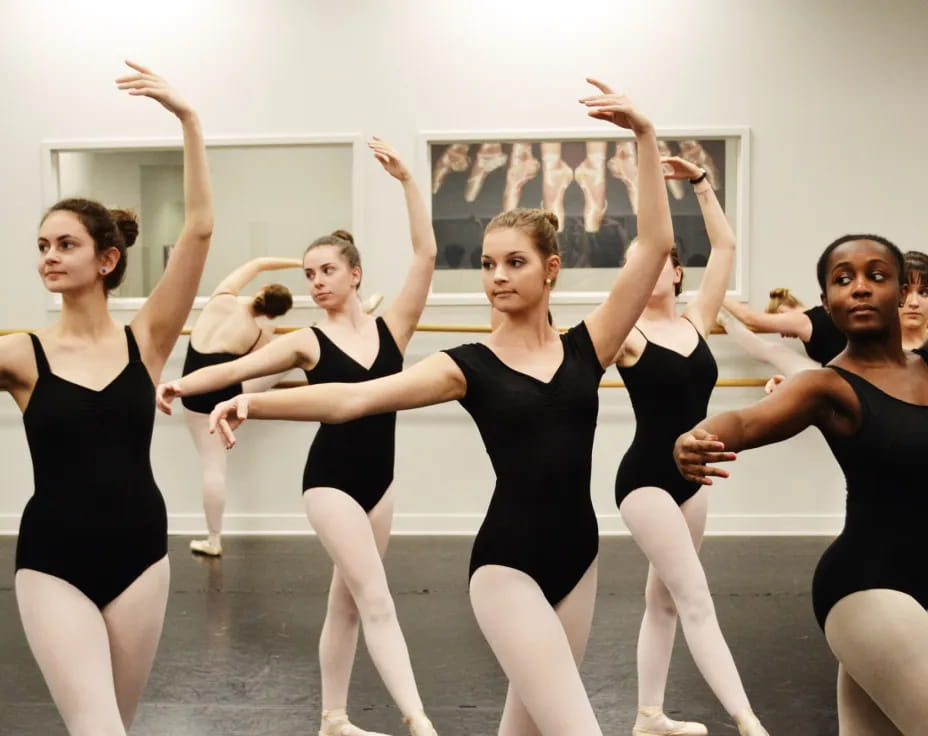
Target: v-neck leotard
[[355, 457], [539, 437]]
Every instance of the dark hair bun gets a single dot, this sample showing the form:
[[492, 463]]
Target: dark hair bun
[[552, 218], [128, 225], [344, 235], [779, 293]]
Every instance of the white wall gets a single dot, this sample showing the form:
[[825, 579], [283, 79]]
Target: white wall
[[831, 91]]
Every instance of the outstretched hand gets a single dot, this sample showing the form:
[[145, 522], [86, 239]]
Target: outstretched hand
[[149, 84], [165, 394], [675, 167], [391, 163], [694, 450], [227, 416], [615, 108], [773, 383]]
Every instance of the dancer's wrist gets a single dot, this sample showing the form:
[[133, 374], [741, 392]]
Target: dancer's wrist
[[701, 178]]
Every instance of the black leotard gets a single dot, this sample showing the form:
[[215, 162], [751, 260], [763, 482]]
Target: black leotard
[[205, 403], [882, 544], [670, 393], [539, 437], [97, 519], [356, 457], [826, 340]]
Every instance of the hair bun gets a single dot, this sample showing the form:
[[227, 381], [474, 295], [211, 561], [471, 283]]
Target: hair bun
[[128, 225], [552, 218], [779, 293], [344, 235]]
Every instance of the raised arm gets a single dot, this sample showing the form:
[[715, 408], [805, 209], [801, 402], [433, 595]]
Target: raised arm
[[788, 324], [703, 309], [402, 315], [432, 381], [236, 281], [811, 397], [610, 323], [299, 349], [160, 320]]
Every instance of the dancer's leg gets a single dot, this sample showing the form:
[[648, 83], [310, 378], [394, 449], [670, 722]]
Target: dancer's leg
[[213, 456]]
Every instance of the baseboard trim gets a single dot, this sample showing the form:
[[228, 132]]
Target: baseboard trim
[[467, 524]]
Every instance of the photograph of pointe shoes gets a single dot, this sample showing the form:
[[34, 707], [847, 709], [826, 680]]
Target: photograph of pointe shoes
[[590, 185]]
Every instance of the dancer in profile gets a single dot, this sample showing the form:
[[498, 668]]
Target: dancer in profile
[[226, 329], [92, 573], [348, 475], [669, 372], [533, 394], [870, 589]]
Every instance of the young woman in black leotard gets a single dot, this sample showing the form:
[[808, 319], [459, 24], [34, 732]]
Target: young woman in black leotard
[[533, 394], [669, 373], [349, 470], [226, 329], [870, 589], [92, 568]]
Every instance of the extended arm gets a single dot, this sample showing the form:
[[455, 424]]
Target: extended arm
[[777, 354], [788, 324], [236, 281], [610, 323]]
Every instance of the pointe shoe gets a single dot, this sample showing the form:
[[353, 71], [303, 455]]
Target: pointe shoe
[[523, 166], [624, 167], [693, 152], [420, 725], [652, 721], [750, 725], [455, 159], [674, 186], [370, 304], [489, 158], [205, 547], [336, 723], [556, 177], [591, 176]]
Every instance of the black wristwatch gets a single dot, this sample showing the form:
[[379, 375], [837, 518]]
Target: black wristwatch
[[700, 177]]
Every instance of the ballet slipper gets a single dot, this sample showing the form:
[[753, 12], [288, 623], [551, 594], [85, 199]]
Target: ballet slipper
[[749, 725], [489, 158], [206, 547], [652, 721], [371, 303], [523, 166], [336, 723], [455, 159], [591, 176], [556, 177], [420, 725]]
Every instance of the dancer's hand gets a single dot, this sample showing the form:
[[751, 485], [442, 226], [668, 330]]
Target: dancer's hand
[[616, 109], [693, 450], [149, 84], [166, 393], [773, 383], [388, 159], [228, 416], [675, 167]]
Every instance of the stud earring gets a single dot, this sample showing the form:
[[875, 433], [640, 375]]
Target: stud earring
[[102, 270], [548, 282]]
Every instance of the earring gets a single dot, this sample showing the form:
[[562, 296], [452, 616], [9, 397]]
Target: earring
[[103, 270], [548, 282]]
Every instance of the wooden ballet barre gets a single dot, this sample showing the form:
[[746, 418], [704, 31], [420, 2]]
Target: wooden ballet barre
[[721, 383]]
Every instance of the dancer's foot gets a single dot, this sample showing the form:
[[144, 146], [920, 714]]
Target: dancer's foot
[[556, 177], [454, 158], [591, 176], [750, 725], [523, 166], [420, 725], [489, 158], [210, 547], [624, 166], [336, 723], [674, 186], [652, 721]]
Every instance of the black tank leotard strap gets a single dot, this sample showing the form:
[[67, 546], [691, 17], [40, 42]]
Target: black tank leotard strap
[[826, 340], [670, 394], [97, 519], [539, 437], [355, 457], [882, 543]]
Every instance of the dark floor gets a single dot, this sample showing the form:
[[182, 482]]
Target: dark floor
[[238, 653]]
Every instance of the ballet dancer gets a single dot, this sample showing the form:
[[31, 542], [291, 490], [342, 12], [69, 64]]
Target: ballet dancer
[[669, 372], [226, 329], [92, 572], [349, 471], [913, 309], [870, 588], [534, 396]]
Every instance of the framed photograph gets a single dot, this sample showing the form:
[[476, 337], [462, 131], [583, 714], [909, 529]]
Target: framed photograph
[[591, 185]]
